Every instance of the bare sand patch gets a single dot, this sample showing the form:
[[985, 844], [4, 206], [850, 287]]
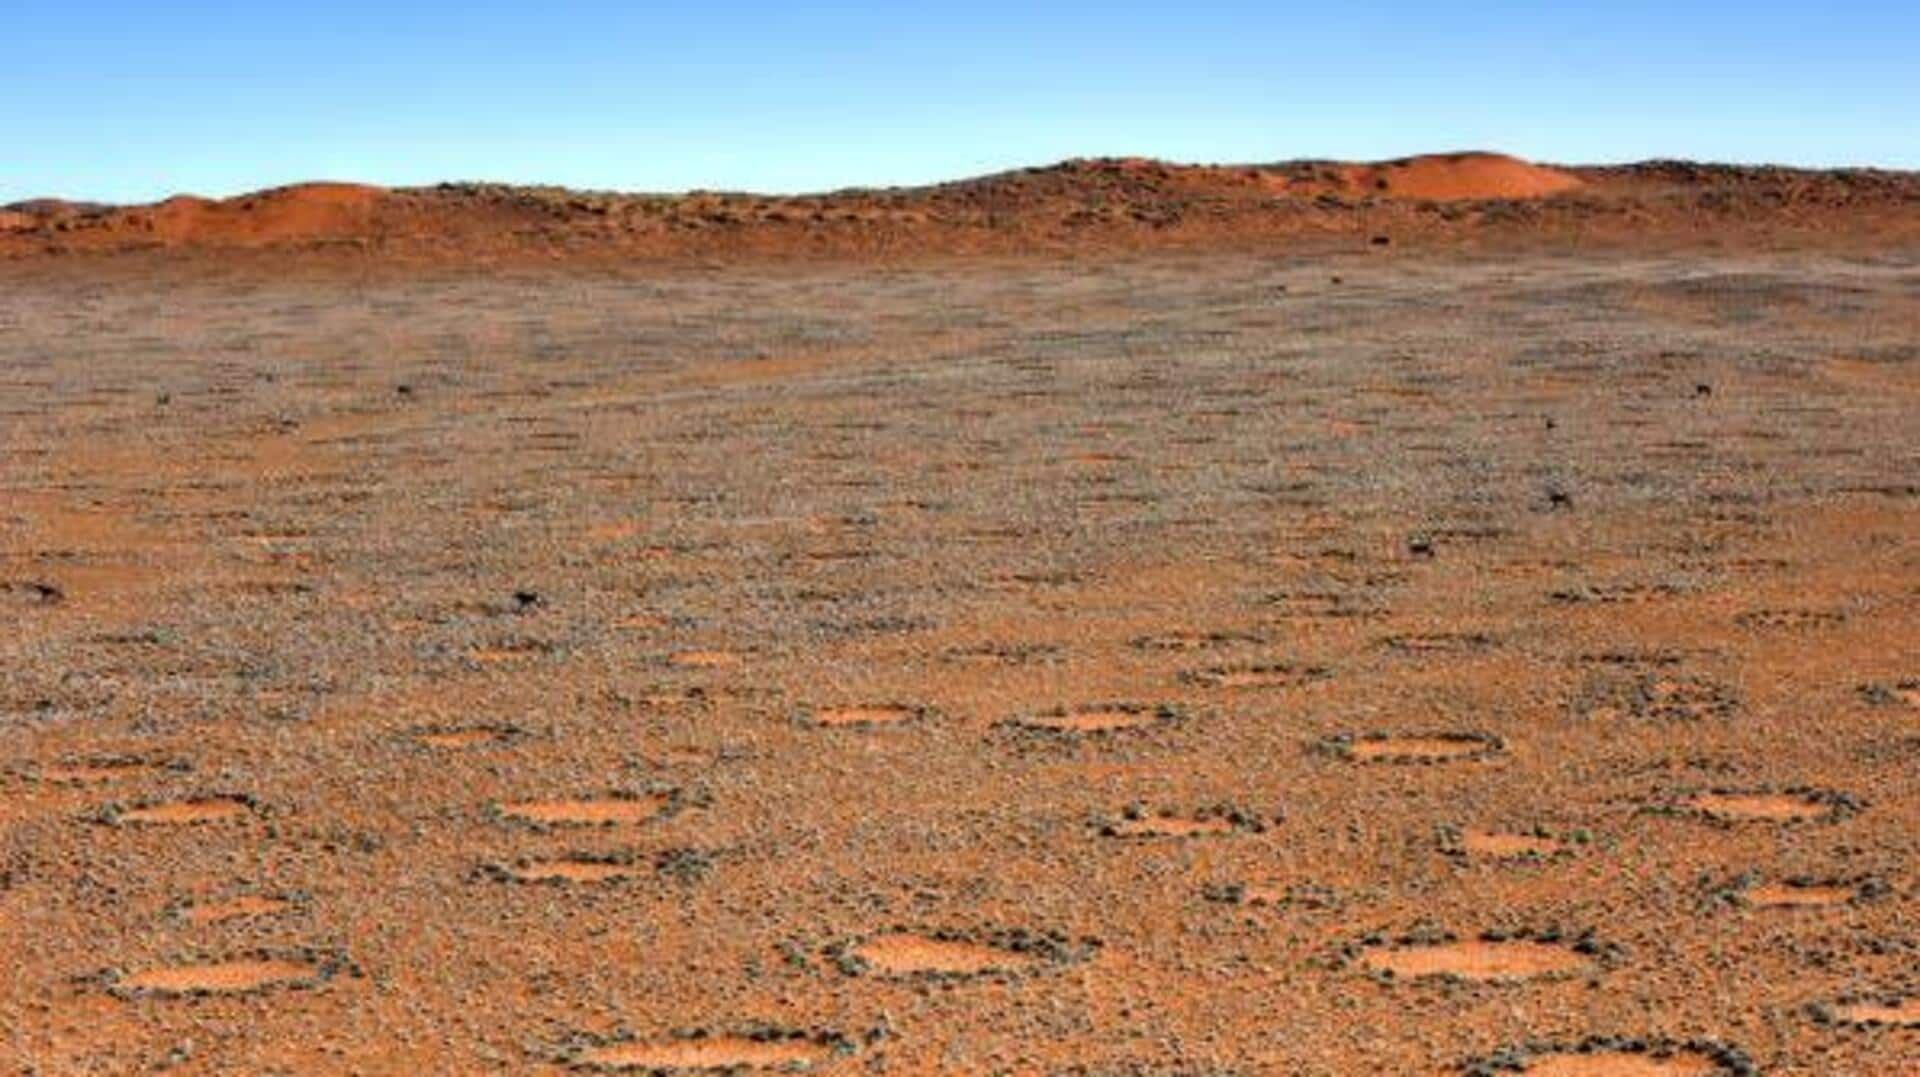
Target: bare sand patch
[[1508, 845], [1169, 826], [613, 530], [879, 714], [1759, 807], [1428, 748], [1904, 1013], [1608, 1063], [512, 651], [1271, 675], [187, 812], [1798, 895], [714, 1053], [1187, 641], [219, 977], [1096, 718], [1488, 960], [1792, 619], [588, 811]]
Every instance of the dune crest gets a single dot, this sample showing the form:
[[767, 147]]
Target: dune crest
[[304, 211], [1456, 177]]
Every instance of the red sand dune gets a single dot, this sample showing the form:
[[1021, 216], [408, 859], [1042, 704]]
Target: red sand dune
[[1457, 177], [301, 211]]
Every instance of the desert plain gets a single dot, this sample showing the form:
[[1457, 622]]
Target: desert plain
[[1232, 626]]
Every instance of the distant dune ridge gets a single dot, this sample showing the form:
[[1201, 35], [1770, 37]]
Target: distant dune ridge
[[1461, 176], [1082, 204], [300, 212]]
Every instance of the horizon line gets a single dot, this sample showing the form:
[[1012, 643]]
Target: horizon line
[[1054, 162]]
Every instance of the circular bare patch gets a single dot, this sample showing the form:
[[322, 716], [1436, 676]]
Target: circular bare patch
[[245, 907], [1195, 641], [1897, 1012], [237, 975], [1027, 581], [909, 953], [704, 1051], [571, 870], [1098, 718], [510, 651], [1621, 1063], [1793, 895], [659, 698], [1168, 826], [904, 954], [696, 1053], [1738, 806], [1272, 675], [611, 810], [1790, 619], [1480, 960], [1509, 845], [1304, 895], [188, 812], [1419, 747], [1618, 1056], [843, 556], [863, 715], [1616, 593]]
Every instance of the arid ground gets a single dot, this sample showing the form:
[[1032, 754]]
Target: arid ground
[[1376, 661]]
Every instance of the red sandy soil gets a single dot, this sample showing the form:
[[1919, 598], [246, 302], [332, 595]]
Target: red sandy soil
[[1079, 206], [1485, 654]]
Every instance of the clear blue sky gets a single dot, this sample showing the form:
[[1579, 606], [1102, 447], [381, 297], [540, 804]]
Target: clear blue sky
[[127, 100]]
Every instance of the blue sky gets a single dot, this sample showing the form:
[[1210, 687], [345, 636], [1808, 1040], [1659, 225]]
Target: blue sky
[[132, 101]]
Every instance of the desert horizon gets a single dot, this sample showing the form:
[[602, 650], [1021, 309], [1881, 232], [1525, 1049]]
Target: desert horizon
[[49, 200], [1077, 205]]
